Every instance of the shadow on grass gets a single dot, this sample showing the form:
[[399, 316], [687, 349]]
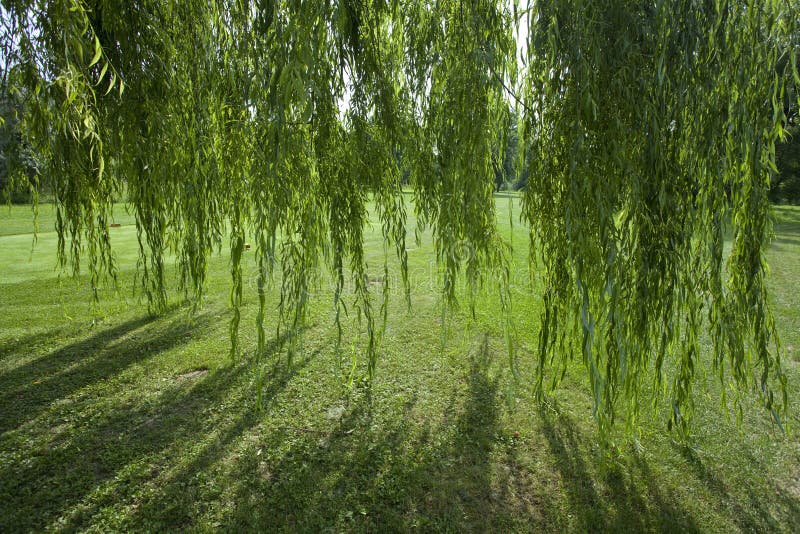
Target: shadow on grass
[[98, 459], [212, 440], [752, 513], [613, 501], [377, 471], [390, 473], [12, 346], [196, 454], [30, 388]]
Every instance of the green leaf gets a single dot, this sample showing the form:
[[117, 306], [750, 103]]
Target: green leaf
[[98, 52]]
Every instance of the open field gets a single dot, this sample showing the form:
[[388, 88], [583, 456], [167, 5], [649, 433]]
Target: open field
[[113, 420]]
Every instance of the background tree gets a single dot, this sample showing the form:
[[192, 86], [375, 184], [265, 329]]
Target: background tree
[[785, 184], [18, 165]]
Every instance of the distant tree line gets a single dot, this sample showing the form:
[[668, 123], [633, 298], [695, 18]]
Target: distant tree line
[[785, 184]]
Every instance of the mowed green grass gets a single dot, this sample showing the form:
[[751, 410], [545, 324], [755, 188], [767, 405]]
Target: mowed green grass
[[115, 420]]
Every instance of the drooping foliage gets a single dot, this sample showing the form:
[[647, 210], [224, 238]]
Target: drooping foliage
[[653, 128], [648, 129]]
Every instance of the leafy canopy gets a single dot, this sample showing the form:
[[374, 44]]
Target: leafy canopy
[[649, 129]]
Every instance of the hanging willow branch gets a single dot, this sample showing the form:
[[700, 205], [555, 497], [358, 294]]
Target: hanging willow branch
[[654, 131], [651, 128]]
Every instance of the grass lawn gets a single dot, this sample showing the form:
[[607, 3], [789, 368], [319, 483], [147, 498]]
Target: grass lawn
[[113, 420]]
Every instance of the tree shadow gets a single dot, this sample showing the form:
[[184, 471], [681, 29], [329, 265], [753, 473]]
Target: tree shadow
[[374, 471], [30, 388], [752, 513], [13, 345], [197, 454], [610, 499], [388, 472], [175, 504], [104, 462], [377, 471]]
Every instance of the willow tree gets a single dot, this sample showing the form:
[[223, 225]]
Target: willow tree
[[651, 127]]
